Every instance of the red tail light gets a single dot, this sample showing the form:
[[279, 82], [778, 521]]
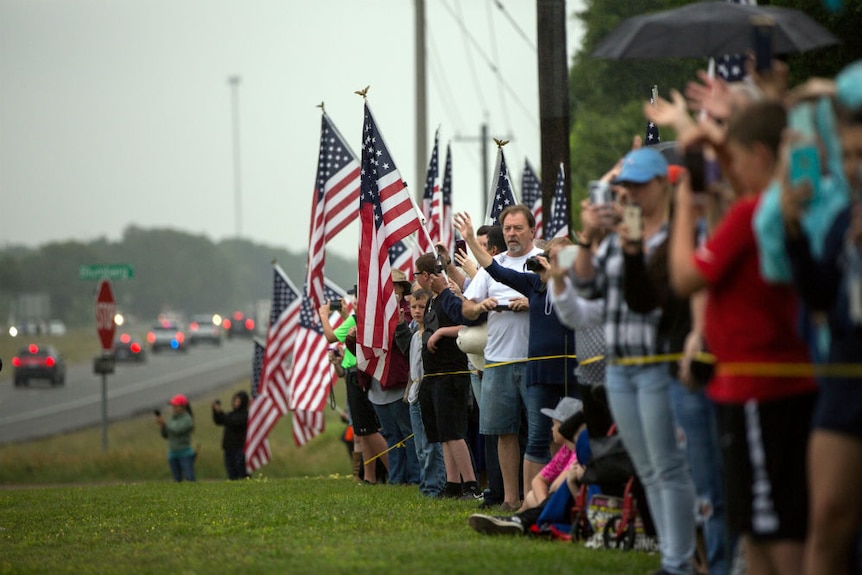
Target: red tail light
[[151, 337], [249, 324], [16, 362], [194, 326], [180, 337], [237, 315], [226, 323], [135, 347], [49, 361], [33, 348]]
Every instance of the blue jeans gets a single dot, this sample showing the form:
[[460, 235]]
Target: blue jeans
[[182, 467], [639, 398], [695, 414], [539, 434], [395, 420], [432, 468]]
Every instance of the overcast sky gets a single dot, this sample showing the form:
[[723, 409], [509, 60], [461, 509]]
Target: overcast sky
[[118, 112]]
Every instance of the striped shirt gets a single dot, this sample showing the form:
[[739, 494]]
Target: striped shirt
[[627, 334]]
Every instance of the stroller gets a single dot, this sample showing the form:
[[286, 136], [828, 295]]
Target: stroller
[[609, 464]]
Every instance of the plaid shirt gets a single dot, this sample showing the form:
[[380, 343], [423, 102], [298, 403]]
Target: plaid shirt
[[627, 334]]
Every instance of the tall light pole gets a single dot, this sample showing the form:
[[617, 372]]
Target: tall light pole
[[233, 81]]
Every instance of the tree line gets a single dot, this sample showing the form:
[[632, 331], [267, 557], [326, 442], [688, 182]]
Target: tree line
[[174, 271]]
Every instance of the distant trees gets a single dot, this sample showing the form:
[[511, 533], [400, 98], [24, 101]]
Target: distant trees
[[173, 271]]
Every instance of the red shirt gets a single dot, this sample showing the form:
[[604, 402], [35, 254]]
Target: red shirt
[[747, 319]]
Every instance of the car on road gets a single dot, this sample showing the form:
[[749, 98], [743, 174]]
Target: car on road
[[238, 324], [39, 362], [127, 348], [205, 328], [167, 335]]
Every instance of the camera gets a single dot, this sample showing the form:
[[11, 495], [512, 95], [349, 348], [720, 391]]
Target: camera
[[600, 193], [335, 305], [532, 264]]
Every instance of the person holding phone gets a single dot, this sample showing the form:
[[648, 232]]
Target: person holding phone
[[235, 425], [178, 431], [639, 391], [551, 346]]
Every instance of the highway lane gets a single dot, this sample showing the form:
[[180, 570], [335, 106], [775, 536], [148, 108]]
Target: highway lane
[[41, 410]]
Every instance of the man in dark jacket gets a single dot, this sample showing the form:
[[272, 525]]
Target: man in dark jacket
[[233, 441]]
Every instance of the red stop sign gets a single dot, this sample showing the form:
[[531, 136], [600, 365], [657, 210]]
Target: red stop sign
[[106, 309]]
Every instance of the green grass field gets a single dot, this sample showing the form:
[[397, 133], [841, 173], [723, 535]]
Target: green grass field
[[65, 507]]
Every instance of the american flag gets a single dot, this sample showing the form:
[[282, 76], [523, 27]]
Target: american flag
[[402, 254], [559, 226], [432, 201], [311, 375], [336, 193], [731, 67], [256, 367], [274, 391], [652, 137], [531, 188], [447, 235], [386, 215], [503, 195]]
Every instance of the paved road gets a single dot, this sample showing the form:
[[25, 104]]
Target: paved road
[[41, 410]]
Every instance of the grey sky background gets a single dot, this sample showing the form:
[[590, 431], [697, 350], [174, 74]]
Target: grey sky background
[[118, 112]]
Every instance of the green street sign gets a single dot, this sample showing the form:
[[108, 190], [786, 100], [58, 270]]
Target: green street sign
[[106, 271]]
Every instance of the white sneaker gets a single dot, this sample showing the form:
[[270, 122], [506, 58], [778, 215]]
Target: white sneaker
[[490, 525]]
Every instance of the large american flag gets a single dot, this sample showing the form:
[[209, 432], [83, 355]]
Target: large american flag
[[652, 137], [432, 201], [559, 225], [311, 376], [336, 193], [386, 215], [531, 190], [274, 392], [503, 195]]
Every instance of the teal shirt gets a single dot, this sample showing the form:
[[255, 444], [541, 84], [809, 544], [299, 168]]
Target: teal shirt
[[178, 431]]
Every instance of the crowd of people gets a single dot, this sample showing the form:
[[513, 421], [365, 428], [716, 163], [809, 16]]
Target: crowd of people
[[708, 312]]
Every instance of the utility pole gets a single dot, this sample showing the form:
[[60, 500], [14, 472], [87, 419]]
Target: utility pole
[[421, 102], [233, 81], [553, 99]]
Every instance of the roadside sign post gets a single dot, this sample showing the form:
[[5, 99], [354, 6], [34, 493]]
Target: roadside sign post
[[106, 309]]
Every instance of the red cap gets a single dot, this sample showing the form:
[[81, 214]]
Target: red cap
[[674, 172], [179, 399]]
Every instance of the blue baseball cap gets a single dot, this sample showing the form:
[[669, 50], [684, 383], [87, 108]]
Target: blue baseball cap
[[641, 166]]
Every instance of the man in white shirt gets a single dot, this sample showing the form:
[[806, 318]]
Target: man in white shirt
[[504, 390]]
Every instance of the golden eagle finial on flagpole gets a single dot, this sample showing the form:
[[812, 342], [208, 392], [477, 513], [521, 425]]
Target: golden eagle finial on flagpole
[[363, 92], [500, 143]]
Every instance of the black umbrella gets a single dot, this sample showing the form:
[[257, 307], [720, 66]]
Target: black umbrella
[[704, 29]]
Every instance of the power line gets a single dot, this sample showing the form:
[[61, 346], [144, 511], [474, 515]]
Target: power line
[[468, 36], [515, 25]]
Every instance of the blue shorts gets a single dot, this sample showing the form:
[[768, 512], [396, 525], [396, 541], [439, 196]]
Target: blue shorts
[[504, 395]]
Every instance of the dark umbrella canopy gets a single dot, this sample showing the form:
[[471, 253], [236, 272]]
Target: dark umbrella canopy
[[704, 29]]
